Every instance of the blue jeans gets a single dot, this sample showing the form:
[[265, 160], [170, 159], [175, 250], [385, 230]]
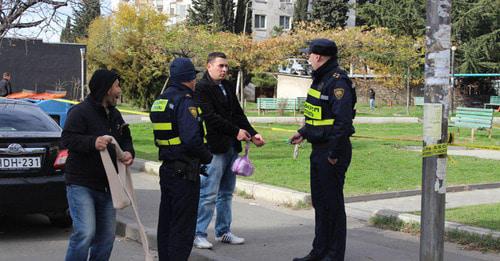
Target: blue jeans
[[372, 104], [216, 191], [94, 224]]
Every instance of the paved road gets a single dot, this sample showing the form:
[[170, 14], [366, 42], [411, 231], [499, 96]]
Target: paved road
[[32, 238], [278, 233]]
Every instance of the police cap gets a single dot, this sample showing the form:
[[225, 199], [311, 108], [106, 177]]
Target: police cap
[[321, 46]]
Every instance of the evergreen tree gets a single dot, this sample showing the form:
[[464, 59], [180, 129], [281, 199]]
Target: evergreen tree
[[332, 13], [85, 12], [223, 15], [200, 13], [66, 36], [240, 16], [300, 10]]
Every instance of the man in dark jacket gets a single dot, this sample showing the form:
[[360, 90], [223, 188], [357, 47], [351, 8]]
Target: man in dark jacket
[[5, 85], [328, 111], [227, 126], [178, 132], [86, 133]]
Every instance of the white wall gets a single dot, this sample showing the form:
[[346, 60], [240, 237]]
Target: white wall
[[292, 86]]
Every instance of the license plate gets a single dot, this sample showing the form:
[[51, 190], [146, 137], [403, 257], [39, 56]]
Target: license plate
[[20, 163]]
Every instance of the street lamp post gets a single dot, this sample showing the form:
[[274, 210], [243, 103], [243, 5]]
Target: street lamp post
[[453, 49], [82, 81]]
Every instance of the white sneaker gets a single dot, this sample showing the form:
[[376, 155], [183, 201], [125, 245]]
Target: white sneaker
[[230, 238], [202, 243]]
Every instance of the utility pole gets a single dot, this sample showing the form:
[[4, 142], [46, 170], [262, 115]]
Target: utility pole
[[435, 132]]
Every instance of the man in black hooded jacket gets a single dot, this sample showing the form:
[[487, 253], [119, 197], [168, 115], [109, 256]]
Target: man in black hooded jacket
[[86, 133]]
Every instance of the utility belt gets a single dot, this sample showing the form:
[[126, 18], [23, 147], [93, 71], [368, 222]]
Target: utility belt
[[189, 168]]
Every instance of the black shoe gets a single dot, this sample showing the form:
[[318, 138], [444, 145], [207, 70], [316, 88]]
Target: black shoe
[[309, 257]]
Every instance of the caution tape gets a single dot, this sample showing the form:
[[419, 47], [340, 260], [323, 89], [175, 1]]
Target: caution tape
[[120, 110], [435, 150]]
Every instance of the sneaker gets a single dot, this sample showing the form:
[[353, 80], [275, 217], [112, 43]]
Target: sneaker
[[230, 238], [202, 243]]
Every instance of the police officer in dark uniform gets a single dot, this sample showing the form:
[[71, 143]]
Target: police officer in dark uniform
[[329, 111], [179, 134]]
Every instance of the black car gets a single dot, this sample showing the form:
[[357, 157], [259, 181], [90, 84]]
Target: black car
[[31, 163]]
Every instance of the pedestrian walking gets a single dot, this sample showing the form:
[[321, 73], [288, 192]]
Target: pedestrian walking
[[371, 92], [329, 112], [86, 133], [5, 84], [179, 136], [227, 126]]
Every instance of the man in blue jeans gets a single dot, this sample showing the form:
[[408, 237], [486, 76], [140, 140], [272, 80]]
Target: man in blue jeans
[[227, 126], [86, 133]]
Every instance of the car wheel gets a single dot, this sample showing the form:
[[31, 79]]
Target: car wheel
[[292, 71], [62, 220]]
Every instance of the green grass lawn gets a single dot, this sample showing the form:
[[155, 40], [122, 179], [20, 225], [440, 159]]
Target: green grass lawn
[[487, 216], [377, 165]]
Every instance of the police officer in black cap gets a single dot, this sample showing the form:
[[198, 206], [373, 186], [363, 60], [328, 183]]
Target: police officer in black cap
[[329, 112], [179, 134]]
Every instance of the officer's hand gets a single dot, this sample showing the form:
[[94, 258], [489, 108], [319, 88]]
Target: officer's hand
[[127, 158], [258, 140], [332, 161], [102, 142], [243, 135], [296, 138]]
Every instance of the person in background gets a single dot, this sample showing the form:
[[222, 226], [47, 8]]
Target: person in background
[[371, 92], [5, 84]]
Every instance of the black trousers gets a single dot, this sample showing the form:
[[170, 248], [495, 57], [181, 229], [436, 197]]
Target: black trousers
[[178, 213], [327, 195]]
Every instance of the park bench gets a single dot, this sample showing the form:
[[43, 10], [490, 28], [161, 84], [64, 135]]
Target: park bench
[[494, 101], [418, 101], [474, 118], [285, 104]]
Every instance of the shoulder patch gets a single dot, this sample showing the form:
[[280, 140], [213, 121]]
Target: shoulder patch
[[193, 111], [339, 93], [336, 75]]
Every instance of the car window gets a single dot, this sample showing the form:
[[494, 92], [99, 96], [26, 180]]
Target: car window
[[19, 117]]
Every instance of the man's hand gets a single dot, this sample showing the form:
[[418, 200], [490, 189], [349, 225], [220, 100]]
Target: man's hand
[[258, 140], [296, 138], [332, 161], [243, 135], [127, 158], [102, 142]]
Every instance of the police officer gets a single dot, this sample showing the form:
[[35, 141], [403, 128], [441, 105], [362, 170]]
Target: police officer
[[328, 111], [178, 133]]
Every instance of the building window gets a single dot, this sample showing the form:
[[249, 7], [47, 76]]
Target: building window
[[285, 22], [260, 22]]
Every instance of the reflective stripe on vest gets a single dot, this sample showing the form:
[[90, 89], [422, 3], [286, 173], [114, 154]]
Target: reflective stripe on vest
[[317, 94], [159, 105], [312, 111], [320, 122], [204, 127], [164, 126], [172, 141]]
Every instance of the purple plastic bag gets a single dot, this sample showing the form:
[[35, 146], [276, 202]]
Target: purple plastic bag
[[242, 165]]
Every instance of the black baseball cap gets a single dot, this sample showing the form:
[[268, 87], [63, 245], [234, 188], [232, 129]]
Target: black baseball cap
[[321, 46]]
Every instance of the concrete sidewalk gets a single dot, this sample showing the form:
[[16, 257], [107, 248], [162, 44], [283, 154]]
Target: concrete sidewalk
[[277, 233]]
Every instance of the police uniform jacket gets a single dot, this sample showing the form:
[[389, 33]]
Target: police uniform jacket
[[177, 126], [329, 108]]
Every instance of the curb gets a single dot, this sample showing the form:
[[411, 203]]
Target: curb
[[292, 197], [448, 226]]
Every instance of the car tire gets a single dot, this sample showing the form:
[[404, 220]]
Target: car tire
[[62, 220], [292, 71]]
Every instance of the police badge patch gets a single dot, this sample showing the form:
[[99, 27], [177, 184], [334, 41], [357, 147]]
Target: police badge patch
[[193, 111], [339, 93]]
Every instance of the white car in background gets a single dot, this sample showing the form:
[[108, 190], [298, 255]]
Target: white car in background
[[297, 66]]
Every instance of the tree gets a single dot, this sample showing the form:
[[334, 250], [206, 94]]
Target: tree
[[200, 13], [16, 14], [332, 13], [243, 9], [85, 12], [300, 10], [66, 35]]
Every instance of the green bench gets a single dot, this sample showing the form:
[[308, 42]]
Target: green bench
[[494, 101], [418, 101], [286, 104], [474, 118]]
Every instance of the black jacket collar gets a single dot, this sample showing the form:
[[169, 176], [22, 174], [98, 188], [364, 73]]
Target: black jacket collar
[[326, 68]]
